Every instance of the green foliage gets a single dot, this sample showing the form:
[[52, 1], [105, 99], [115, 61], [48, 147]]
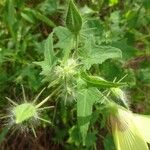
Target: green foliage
[[95, 54], [93, 65], [49, 56], [65, 40], [99, 82], [85, 100], [30, 15], [73, 18]]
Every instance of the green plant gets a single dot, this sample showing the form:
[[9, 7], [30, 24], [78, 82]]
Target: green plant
[[86, 66], [85, 89]]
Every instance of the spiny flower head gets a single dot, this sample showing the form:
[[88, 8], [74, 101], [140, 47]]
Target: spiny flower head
[[67, 69], [25, 113]]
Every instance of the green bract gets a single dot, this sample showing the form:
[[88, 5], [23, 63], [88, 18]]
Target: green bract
[[24, 112], [73, 18], [120, 97], [66, 69]]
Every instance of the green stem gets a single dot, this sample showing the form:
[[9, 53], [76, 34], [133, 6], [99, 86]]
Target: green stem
[[66, 94], [47, 98], [55, 111], [75, 53]]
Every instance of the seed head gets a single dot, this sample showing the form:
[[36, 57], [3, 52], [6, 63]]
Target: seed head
[[68, 69], [25, 114]]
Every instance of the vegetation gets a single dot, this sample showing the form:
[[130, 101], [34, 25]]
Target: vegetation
[[74, 74]]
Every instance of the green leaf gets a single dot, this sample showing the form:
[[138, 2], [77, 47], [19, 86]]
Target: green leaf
[[30, 14], [108, 140], [65, 40], [74, 136], [49, 56], [73, 18], [90, 139], [144, 75], [85, 100], [127, 51], [10, 17], [113, 2], [65, 37], [44, 19], [95, 54], [48, 6], [146, 4], [96, 81]]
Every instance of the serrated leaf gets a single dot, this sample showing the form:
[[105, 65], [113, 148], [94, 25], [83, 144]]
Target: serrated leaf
[[85, 100], [49, 56], [73, 18], [95, 54], [65, 40], [96, 81], [65, 37]]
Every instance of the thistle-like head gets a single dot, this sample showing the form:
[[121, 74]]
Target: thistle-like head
[[25, 114], [67, 69]]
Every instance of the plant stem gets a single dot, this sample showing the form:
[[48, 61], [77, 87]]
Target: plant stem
[[75, 53], [66, 94], [47, 98]]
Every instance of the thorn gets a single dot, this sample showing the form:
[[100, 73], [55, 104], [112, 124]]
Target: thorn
[[23, 91], [14, 103], [36, 98]]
